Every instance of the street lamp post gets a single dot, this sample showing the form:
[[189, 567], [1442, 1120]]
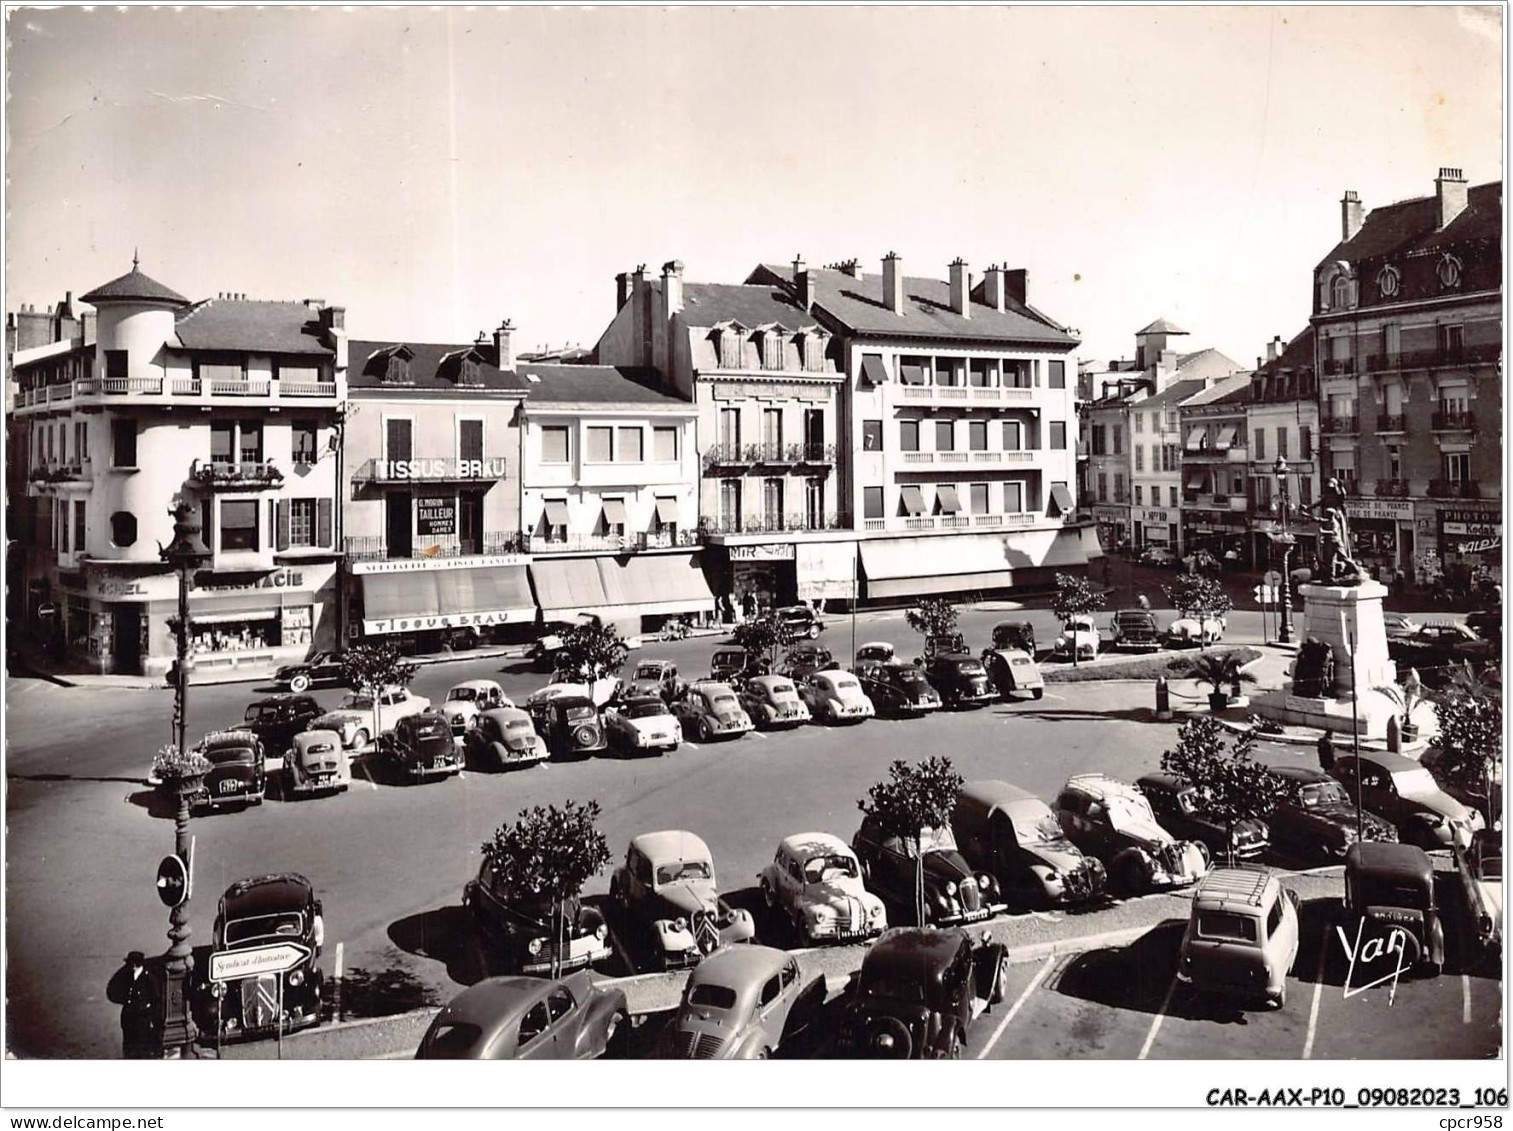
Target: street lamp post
[[185, 553], [1285, 540]]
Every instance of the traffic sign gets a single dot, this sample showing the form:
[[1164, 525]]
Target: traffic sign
[[1265, 595], [173, 881], [228, 965], [1271, 579]]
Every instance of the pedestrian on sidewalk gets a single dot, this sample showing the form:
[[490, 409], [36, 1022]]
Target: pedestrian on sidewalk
[[1326, 753], [141, 1012]]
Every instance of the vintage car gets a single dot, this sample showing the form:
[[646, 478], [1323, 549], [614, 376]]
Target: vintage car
[[421, 747], [252, 914], [515, 1018], [316, 763], [1018, 634], [942, 642], [1080, 633], [1487, 624], [897, 689], [1389, 895], [654, 677], [667, 885], [354, 720], [960, 679], [875, 652], [804, 659], [466, 701], [743, 1003], [1014, 837], [642, 723], [835, 697], [523, 931], [918, 992], [815, 881], [801, 620], [1242, 936], [1157, 556], [237, 774], [954, 892], [570, 726], [1014, 672], [543, 652], [536, 702], [1438, 648], [1316, 819], [1479, 869], [278, 718], [1112, 820], [1400, 625], [1400, 790], [323, 669], [1134, 630], [1192, 632], [772, 701], [503, 738], [1176, 805], [710, 710], [735, 663]]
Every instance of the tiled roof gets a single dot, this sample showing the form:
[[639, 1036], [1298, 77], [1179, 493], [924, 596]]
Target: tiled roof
[[1412, 225], [1227, 390], [595, 384], [248, 326], [1297, 354], [857, 304], [750, 304], [433, 367], [133, 285], [1174, 394], [1162, 326]]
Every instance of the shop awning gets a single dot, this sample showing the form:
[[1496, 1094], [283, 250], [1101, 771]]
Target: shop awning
[[634, 585], [667, 509], [825, 569], [1157, 534], [1226, 438], [467, 596], [1065, 550], [1091, 546], [556, 511], [1195, 481], [913, 499], [911, 374], [1061, 501], [567, 587], [948, 499], [614, 512], [902, 567], [228, 610], [872, 370], [1195, 438]]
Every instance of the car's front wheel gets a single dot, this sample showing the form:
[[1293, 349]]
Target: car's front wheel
[[300, 683], [814, 631], [359, 742]]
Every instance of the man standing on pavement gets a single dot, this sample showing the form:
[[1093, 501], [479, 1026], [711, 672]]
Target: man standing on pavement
[[141, 1012], [1326, 752]]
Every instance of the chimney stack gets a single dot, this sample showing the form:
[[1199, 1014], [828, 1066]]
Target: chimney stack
[[1274, 348], [850, 267], [893, 282], [505, 359], [1450, 189], [961, 287], [672, 287], [993, 287], [622, 290], [803, 284], [333, 317], [1352, 215], [1016, 285]]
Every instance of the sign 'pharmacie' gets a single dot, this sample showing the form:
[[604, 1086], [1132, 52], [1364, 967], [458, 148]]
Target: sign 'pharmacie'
[[491, 468]]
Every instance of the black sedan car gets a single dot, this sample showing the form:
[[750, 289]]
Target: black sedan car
[[524, 932], [278, 718], [1176, 805], [279, 909], [898, 689], [954, 893], [323, 669], [237, 770], [806, 659], [801, 620], [1438, 649], [961, 680], [421, 747], [1318, 820]]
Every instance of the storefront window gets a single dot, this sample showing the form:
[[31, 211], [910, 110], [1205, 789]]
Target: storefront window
[[235, 636], [239, 524]]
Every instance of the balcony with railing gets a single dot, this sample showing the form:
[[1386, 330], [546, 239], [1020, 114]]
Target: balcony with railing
[[1339, 425], [772, 524], [1462, 420], [1391, 422], [251, 475], [174, 390], [46, 478], [1005, 395], [768, 454], [1391, 488], [633, 542], [1338, 366], [1439, 358], [1454, 489], [375, 547]]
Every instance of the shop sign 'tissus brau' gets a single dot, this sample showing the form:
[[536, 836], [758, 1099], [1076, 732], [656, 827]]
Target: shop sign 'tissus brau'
[[492, 468]]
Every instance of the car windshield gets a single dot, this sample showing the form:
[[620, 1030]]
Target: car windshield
[[319, 748], [1323, 793], [451, 1042], [713, 996], [941, 839], [675, 870], [289, 925], [648, 671], [230, 755], [1384, 892], [822, 869], [1082, 625], [1226, 925], [253, 713], [1417, 782], [1035, 824], [727, 658], [890, 987], [466, 694], [646, 710], [1020, 661], [579, 714]]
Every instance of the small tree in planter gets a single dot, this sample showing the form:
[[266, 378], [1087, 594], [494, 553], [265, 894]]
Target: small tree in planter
[[1075, 597], [1406, 698], [177, 771], [914, 798], [1199, 597], [591, 652], [1230, 785], [764, 636], [1220, 670], [934, 616], [369, 668], [551, 852], [1468, 749]]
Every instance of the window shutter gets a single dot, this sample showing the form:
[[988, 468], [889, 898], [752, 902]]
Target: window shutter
[[323, 522], [282, 524]]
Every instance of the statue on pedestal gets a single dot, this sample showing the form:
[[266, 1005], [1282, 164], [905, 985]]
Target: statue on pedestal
[[1337, 564]]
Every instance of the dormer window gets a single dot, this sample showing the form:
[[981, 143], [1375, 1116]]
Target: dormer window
[[730, 347], [398, 370], [813, 345], [772, 349], [1339, 292], [468, 374]]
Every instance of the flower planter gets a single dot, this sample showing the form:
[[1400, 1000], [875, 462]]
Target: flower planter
[[1217, 701]]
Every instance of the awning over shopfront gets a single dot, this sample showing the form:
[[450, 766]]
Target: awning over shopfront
[[1195, 481], [902, 567], [1091, 546], [608, 587], [825, 569], [667, 508], [453, 597]]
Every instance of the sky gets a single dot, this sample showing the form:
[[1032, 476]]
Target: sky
[[436, 171]]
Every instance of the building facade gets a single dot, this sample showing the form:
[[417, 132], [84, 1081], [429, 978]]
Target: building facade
[[1408, 328], [229, 404], [1216, 471], [1282, 421]]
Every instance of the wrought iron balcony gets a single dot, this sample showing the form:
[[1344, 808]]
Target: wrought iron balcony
[[1390, 422], [613, 543], [77, 472], [770, 454], [1391, 488], [1459, 421], [1338, 365], [375, 547], [1454, 489], [773, 524], [252, 475], [1339, 425]]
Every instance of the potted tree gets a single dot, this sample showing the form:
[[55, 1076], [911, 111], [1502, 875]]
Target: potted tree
[[1230, 785], [914, 798], [369, 668], [179, 773], [1220, 670], [591, 653], [1406, 698], [762, 637], [1075, 597]]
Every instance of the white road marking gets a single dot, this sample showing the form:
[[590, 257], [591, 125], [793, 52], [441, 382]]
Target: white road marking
[[1465, 999], [337, 967], [1045, 968], [1318, 992], [1150, 1038]]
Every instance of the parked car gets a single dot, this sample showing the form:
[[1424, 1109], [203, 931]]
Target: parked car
[[571, 726], [1438, 648], [421, 747], [467, 700], [711, 710], [954, 892], [941, 643], [801, 620], [654, 677], [1018, 634], [1242, 936], [1176, 805], [237, 770], [640, 724], [734, 663], [1487, 624], [1192, 632], [667, 886], [503, 738], [522, 930], [744, 1003], [316, 763], [1399, 625], [1014, 837], [1080, 633], [815, 882], [918, 992], [960, 679], [354, 719], [1403, 792], [1158, 556], [536, 702], [1112, 820], [835, 697], [1013, 672], [805, 659], [253, 913], [544, 652], [876, 651], [321, 669], [1316, 819], [1389, 892], [278, 718], [514, 1018], [1479, 870], [773, 701], [898, 689], [1134, 630]]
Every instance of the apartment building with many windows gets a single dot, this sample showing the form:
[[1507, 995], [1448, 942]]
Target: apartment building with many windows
[[1282, 421], [1215, 469], [1408, 326]]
